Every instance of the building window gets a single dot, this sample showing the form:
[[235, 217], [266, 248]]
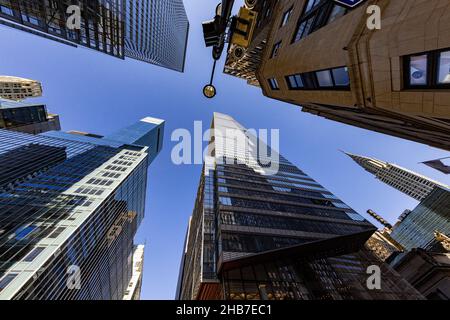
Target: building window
[[295, 82], [336, 79], [274, 84], [33, 254], [286, 17], [275, 49], [430, 70], [317, 14], [324, 78], [444, 67], [7, 280]]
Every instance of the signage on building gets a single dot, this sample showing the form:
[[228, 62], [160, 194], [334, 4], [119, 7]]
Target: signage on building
[[349, 3]]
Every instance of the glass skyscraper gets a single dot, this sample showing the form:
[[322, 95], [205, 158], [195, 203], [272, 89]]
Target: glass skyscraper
[[417, 227], [70, 205], [156, 31], [101, 27], [153, 31], [259, 233]]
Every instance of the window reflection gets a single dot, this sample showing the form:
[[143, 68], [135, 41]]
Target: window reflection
[[418, 70], [444, 68]]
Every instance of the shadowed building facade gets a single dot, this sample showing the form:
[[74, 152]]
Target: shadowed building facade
[[27, 117], [322, 57], [68, 219], [271, 232]]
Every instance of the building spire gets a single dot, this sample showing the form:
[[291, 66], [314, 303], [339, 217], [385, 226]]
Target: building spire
[[380, 219]]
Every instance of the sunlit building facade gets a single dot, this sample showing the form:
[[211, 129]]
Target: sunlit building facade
[[70, 206], [156, 31], [15, 88], [271, 232], [410, 183], [133, 292], [323, 57]]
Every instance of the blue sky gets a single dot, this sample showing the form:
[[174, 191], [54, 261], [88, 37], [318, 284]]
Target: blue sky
[[97, 93]]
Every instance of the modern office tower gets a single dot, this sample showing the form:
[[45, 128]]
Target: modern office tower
[[133, 292], [406, 181], [416, 229], [101, 22], [156, 31], [27, 117], [67, 228], [15, 88], [322, 57], [266, 230]]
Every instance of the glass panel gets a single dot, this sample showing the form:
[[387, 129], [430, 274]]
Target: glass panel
[[341, 77], [337, 12], [444, 68], [418, 70], [324, 78], [299, 81]]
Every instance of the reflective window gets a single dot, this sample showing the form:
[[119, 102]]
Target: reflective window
[[274, 84], [324, 78], [340, 76], [444, 67], [286, 17], [418, 70]]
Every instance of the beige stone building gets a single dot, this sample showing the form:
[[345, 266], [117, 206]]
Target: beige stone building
[[324, 58], [15, 88]]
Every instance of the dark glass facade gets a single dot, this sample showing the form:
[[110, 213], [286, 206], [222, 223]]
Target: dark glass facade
[[102, 25], [79, 211], [282, 235]]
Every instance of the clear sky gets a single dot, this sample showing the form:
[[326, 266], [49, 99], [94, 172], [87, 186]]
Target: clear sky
[[97, 93]]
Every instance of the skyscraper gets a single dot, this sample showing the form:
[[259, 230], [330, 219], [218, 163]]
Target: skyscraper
[[15, 88], [101, 22], [69, 213], [156, 31], [416, 228], [133, 292], [153, 31], [322, 57], [27, 117], [266, 230], [410, 183]]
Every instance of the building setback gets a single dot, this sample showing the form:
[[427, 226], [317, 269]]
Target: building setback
[[410, 183], [67, 225], [27, 117], [258, 233], [15, 88], [322, 57]]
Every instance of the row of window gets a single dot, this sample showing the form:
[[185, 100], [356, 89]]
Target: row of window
[[336, 78], [428, 70], [317, 14]]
